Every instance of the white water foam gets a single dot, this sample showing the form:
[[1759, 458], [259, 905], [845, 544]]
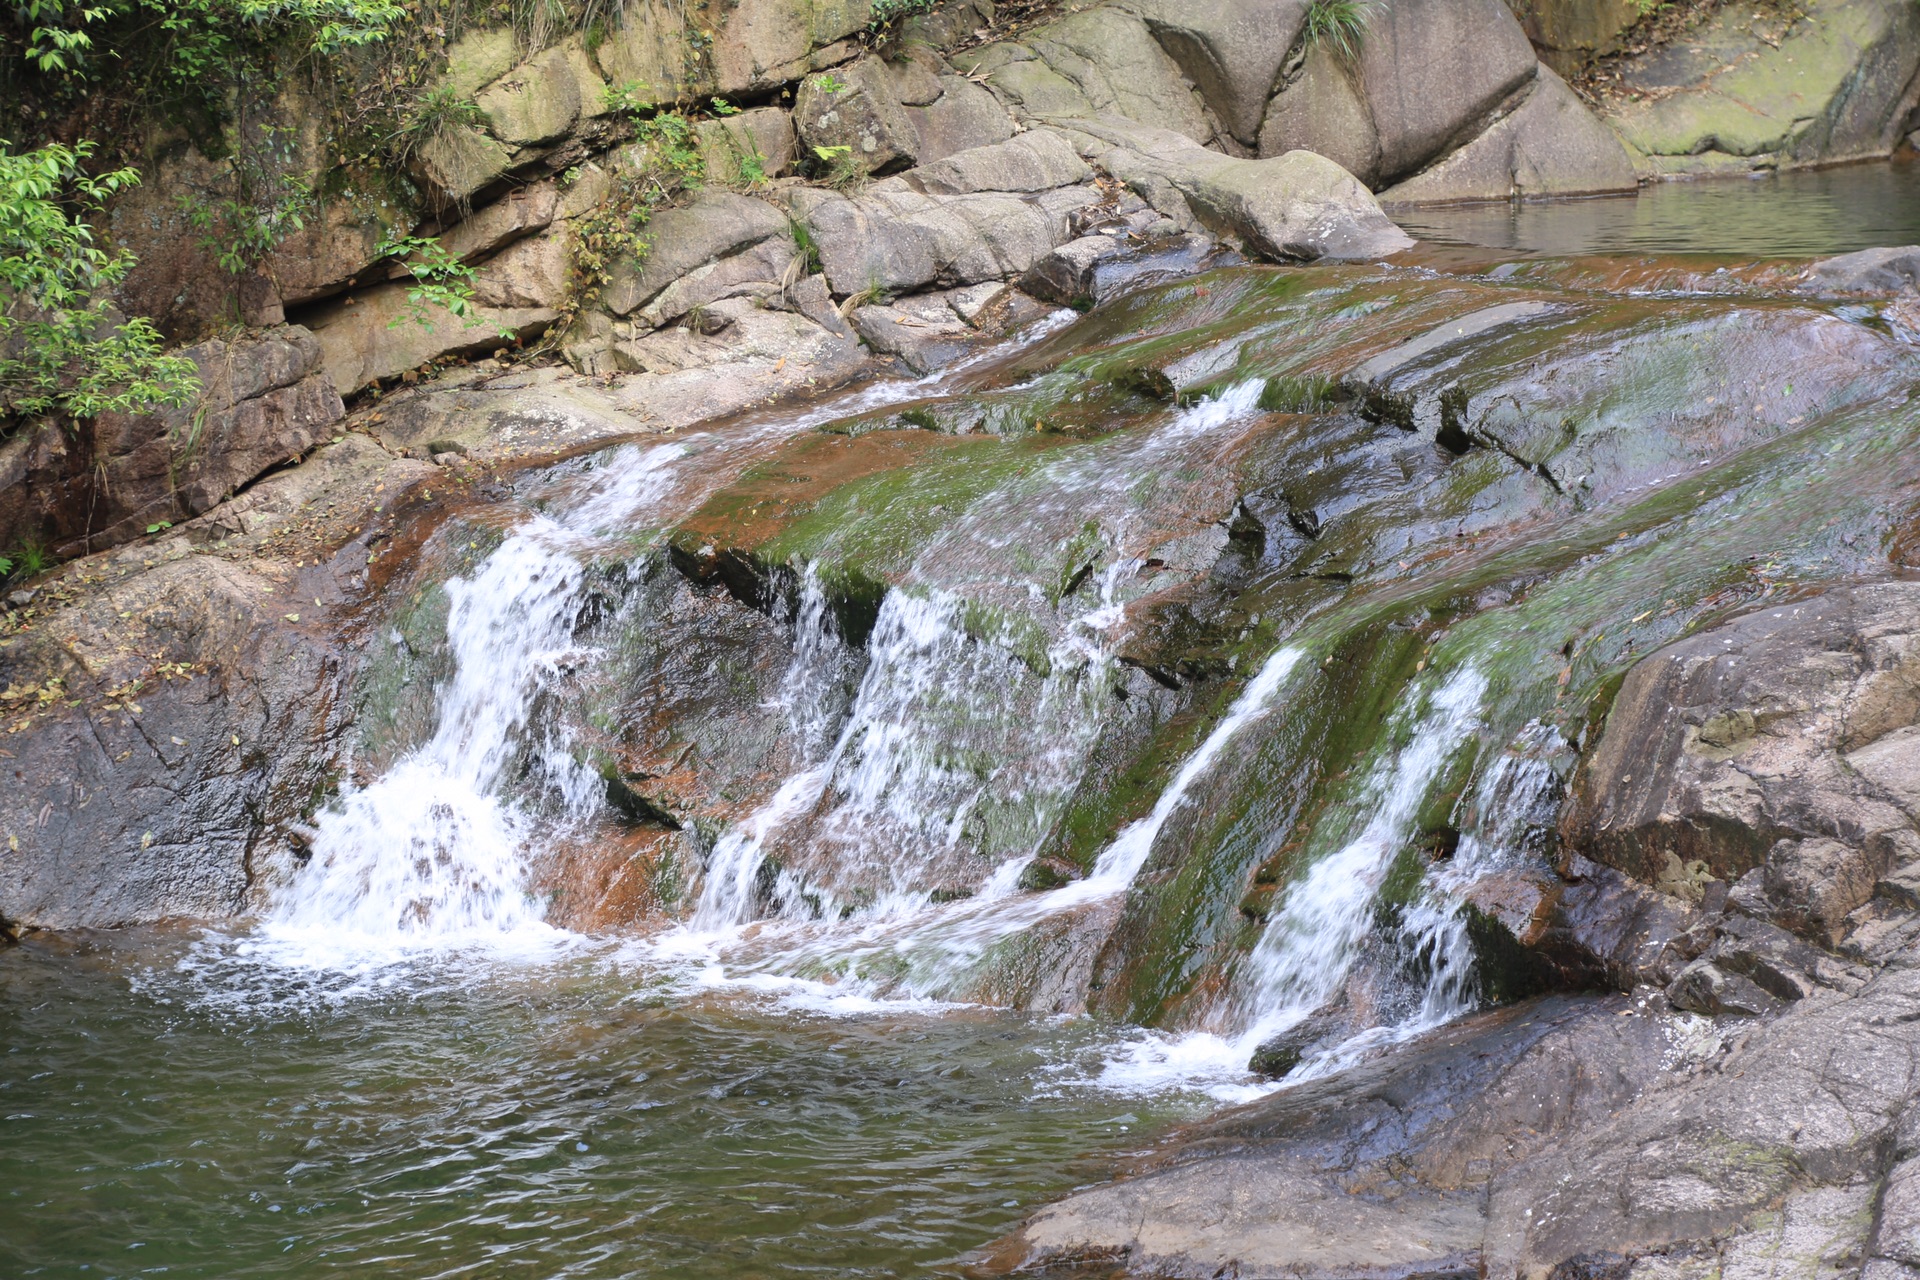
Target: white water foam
[[939, 943], [431, 856], [1312, 942]]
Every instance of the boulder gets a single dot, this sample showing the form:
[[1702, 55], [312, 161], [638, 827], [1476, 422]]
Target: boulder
[[854, 107], [127, 812], [1232, 51], [530, 274], [963, 117], [1067, 275], [264, 400], [1084, 272], [1831, 88], [458, 161], [897, 240], [733, 147], [1559, 1138], [946, 27], [536, 102], [1868, 271], [479, 58], [519, 213], [176, 279], [925, 333], [1100, 61], [1323, 111], [676, 377], [762, 271], [764, 44], [915, 78], [653, 55], [813, 298], [1038, 160], [1296, 206], [334, 247], [1550, 145], [1570, 33], [1434, 70], [1287, 1185], [710, 226], [1767, 744]]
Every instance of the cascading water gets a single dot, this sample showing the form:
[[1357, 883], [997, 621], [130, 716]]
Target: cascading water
[[432, 853], [1516, 800], [889, 802], [1310, 945]]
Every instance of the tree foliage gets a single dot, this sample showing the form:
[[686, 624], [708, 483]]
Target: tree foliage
[[63, 348], [194, 37]]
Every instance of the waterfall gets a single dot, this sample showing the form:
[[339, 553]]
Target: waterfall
[[1122, 859], [431, 854], [1516, 800], [1310, 944], [916, 756], [1325, 921]]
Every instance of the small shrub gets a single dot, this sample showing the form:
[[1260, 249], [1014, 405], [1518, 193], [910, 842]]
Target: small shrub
[[240, 229], [888, 12], [808, 246], [1340, 25], [438, 113], [439, 280], [30, 559], [63, 348]]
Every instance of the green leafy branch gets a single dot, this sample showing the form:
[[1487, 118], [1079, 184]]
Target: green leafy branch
[[62, 346], [439, 280]]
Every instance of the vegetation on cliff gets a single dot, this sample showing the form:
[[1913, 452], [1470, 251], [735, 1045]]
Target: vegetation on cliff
[[62, 348]]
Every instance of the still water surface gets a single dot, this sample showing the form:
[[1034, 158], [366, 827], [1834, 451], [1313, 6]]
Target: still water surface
[[1823, 211], [567, 1118]]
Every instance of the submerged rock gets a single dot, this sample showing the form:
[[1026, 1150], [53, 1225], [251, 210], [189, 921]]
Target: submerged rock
[[1868, 271], [1282, 1053]]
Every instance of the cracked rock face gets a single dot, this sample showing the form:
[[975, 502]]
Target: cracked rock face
[[1782, 743]]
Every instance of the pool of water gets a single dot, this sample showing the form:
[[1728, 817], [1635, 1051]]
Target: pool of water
[[1804, 213], [171, 1107]]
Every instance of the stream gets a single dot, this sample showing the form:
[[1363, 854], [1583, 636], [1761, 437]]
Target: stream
[[805, 846]]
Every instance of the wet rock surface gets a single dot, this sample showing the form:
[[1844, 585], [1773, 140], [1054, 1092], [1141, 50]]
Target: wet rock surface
[[1754, 1108]]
